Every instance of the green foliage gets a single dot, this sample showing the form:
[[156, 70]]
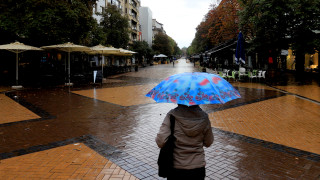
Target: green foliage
[[44, 22], [174, 49], [164, 44], [161, 44], [280, 24], [97, 35], [264, 22], [116, 27], [142, 48]]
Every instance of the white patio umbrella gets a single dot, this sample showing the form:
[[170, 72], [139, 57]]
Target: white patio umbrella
[[100, 49], [17, 48], [103, 50], [68, 47], [160, 56], [125, 51]]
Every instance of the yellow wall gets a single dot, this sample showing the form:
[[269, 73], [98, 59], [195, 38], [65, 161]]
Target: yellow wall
[[291, 57], [290, 60]]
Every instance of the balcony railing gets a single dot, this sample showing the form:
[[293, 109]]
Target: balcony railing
[[134, 28], [134, 16]]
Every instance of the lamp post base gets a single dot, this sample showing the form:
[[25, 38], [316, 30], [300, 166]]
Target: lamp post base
[[68, 84], [17, 87]]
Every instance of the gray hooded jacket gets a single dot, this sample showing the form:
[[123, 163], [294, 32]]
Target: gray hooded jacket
[[192, 131]]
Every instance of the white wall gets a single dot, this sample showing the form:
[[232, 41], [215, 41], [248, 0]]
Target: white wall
[[98, 9], [146, 24]]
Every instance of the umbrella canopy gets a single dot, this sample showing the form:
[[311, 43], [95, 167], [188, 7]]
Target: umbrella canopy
[[160, 55], [103, 50], [194, 89], [68, 47], [127, 51], [100, 49], [240, 56], [17, 48]]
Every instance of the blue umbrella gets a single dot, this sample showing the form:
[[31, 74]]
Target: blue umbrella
[[240, 57], [194, 89]]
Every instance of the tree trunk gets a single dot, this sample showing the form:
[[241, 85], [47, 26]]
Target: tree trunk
[[300, 62], [300, 65]]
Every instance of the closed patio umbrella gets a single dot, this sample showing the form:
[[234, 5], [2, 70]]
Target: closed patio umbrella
[[17, 48], [68, 47], [240, 56]]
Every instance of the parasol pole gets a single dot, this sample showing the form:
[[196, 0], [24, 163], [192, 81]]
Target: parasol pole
[[102, 65], [69, 66], [17, 68]]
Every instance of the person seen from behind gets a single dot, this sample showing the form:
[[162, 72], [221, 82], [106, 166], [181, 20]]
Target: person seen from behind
[[192, 132]]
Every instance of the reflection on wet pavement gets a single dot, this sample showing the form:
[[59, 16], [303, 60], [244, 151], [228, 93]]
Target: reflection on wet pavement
[[244, 147], [124, 96]]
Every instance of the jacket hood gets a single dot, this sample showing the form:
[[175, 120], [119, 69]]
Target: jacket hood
[[192, 120]]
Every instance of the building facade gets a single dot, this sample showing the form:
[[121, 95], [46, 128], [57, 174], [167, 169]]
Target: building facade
[[129, 8], [157, 28], [146, 24]]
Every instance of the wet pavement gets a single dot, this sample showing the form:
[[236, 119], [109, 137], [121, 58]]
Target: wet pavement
[[108, 131]]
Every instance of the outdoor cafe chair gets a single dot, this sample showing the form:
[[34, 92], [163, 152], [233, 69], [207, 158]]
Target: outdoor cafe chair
[[242, 72], [264, 74], [259, 75], [227, 73], [221, 74], [251, 75], [254, 72], [233, 75]]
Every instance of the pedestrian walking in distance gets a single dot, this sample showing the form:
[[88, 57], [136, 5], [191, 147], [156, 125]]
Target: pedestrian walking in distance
[[192, 131]]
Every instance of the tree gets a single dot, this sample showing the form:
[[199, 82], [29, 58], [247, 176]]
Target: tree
[[303, 21], [265, 25], [273, 25], [219, 25], [142, 48], [223, 22], [165, 44], [161, 44], [174, 49], [115, 26], [41, 22], [184, 51]]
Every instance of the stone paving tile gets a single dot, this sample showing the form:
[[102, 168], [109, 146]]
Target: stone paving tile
[[162, 71], [286, 120], [251, 85], [131, 131], [74, 161], [308, 91], [124, 96], [11, 111]]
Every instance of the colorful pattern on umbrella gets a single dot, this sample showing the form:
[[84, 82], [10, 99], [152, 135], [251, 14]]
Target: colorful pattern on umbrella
[[194, 89]]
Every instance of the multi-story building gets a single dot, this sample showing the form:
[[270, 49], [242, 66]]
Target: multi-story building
[[129, 8], [146, 24], [157, 28]]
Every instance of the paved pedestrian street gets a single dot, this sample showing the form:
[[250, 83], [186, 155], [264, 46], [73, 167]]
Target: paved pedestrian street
[[107, 131]]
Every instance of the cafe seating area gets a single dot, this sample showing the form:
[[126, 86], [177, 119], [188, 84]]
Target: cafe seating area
[[242, 74]]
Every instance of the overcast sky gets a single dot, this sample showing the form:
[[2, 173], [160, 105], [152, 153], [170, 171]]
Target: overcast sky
[[179, 17]]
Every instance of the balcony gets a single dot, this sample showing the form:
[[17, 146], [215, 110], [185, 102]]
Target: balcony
[[134, 16]]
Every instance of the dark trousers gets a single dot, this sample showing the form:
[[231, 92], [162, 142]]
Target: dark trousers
[[188, 174]]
